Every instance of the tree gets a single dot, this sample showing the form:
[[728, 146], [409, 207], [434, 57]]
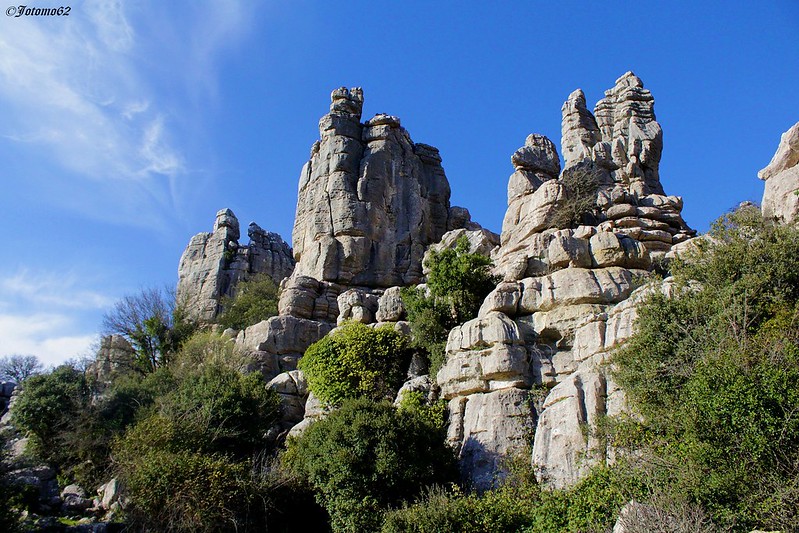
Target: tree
[[153, 324], [18, 368], [457, 283], [255, 300], [367, 456], [356, 361], [186, 464]]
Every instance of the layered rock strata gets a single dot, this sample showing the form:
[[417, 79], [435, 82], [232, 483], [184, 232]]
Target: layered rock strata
[[214, 263], [781, 195], [620, 151], [542, 337], [370, 203]]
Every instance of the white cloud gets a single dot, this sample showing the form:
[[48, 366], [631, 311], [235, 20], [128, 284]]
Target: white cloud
[[51, 289], [87, 89], [43, 335]]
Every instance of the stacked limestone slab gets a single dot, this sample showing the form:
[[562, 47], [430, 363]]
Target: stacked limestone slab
[[370, 203], [781, 195], [568, 294], [214, 263]]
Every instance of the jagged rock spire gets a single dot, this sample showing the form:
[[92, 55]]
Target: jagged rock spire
[[370, 200]]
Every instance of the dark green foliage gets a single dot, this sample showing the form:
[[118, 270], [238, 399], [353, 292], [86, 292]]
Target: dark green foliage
[[188, 491], [187, 462], [458, 282], [365, 457], [73, 431], [460, 279], [255, 300], [580, 185], [519, 505], [715, 371], [48, 405], [154, 325], [356, 361]]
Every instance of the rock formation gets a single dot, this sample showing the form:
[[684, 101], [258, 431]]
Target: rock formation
[[534, 360], [370, 203], [781, 197], [370, 200], [115, 357], [213, 263]]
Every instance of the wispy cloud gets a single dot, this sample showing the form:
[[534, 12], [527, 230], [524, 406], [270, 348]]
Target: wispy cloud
[[88, 90], [53, 315], [43, 288]]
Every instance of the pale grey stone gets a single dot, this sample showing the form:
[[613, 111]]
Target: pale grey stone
[[488, 428], [370, 201], [389, 306], [781, 195], [214, 263]]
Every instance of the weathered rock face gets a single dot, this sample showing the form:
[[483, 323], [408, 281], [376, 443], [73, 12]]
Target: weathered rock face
[[624, 138], [568, 294], [213, 263], [370, 200], [621, 149], [115, 357], [781, 197]]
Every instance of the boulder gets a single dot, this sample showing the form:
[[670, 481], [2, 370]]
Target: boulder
[[488, 428], [389, 306]]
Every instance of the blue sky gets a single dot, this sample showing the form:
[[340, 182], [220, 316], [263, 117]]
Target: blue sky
[[126, 126]]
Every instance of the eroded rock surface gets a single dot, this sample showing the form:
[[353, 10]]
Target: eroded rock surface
[[781, 196], [568, 293], [213, 263], [370, 200]]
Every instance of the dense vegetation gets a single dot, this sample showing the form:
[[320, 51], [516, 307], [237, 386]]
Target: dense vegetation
[[356, 361], [712, 375], [714, 369], [457, 283], [255, 300], [367, 456]]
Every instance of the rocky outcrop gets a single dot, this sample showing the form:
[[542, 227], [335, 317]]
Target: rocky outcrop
[[781, 196], [6, 392], [114, 358], [568, 295], [622, 136], [213, 263], [370, 200], [619, 151]]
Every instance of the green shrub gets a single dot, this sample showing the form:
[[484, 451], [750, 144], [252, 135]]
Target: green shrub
[[187, 461], [207, 347], [458, 281], [186, 491], [356, 361], [365, 457], [255, 300], [714, 369], [519, 505]]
